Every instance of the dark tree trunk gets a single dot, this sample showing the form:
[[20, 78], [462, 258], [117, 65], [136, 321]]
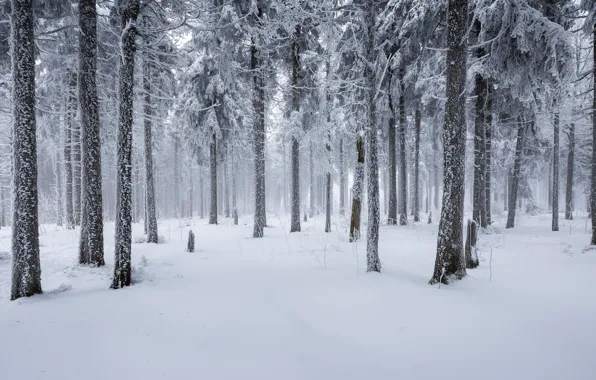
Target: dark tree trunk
[[311, 182], [295, 212], [234, 192], [150, 211], [129, 10], [357, 190], [479, 201], [488, 151], [76, 165], [26, 268], [213, 172], [570, 165], [91, 243], [260, 219], [201, 193], [69, 125], [593, 163], [471, 237], [342, 179], [373, 263], [403, 165], [226, 182], [450, 256], [392, 212], [59, 195], [515, 176], [418, 121], [328, 189], [555, 224]]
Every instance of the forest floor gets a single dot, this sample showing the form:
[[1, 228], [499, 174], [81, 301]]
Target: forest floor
[[301, 306]]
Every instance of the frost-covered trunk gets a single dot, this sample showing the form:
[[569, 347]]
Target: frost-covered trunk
[[295, 207], [515, 176], [555, 224], [436, 169], [488, 151], [260, 219], [311, 173], [357, 189], [593, 161], [129, 10], [392, 211], [213, 177], [373, 264], [479, 193], [71, 83], [226, 182], [328, 182], [416, 203], [403, 165], [234, 192], [59, 193], [570, 165], [342, 179], [449, 261], [76, 162], [177, 210], [150, 210], [91, 243], [201, 193], [26, 268]]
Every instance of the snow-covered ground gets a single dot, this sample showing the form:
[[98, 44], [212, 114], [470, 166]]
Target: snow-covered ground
[[301, 306]]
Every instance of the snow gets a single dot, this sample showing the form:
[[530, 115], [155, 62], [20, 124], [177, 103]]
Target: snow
[[301, 306]]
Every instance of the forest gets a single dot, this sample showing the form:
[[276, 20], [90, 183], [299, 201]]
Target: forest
[[297, 189]]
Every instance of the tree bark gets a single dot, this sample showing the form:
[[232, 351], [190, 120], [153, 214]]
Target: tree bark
[[555, 224], [26, 268], [357, 190], [488, 151], [295, 207], [342, 179], [593, 163], [449, 261], [129, 10], [515, 177], [70, 114], [260, 219], [417, 122], [570, 165], [213, 172], [150, 210], [403, 165], [91, 242]]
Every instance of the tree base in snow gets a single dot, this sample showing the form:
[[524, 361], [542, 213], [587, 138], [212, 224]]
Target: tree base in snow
[[447, 279]]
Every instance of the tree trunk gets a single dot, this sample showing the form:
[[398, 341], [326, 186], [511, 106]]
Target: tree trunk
[[570, 164], [70, 116], [26, 268], [418, 122], [122, 263], [295, 211], [226, 182], [515, 177], [342, 179], [76, 164], [403, 165], [234, 192], [91, 243], [260, 219], [213, 172], [312, 182], [373, 263], [593, 163], [449, 261], [488, 125], [150, 210], [357, 190], [555, 224], [392, 212], [479, 201], [59, 195]]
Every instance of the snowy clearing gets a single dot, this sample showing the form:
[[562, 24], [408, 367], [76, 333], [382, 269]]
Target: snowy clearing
[[301, 306]]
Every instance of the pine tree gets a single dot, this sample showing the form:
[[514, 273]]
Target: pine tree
[[26, 267], [129, 10], [449, 261], [91, 244]]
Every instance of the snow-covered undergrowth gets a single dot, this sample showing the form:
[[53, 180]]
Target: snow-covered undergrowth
[[301, 306]]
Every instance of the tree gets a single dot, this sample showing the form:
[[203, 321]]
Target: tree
[[91, 244], [449, 261], [129, 10], [26, 266]]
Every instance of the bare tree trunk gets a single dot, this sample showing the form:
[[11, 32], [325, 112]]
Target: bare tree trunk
[[515, 177], [213, 172], [450, 256], [403, 165], [129, 11], [555, 224], [342, 179], [26, 268], [357, 190], [91, 244], [488, 151], [234, 192], [226, 182], [593, 161], [70, 114], [570, 165], [418, 121], [295, 211], [59, 195], [260, 219], [150, 210]]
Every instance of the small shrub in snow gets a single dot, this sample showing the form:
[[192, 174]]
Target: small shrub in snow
[[190, 246]]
